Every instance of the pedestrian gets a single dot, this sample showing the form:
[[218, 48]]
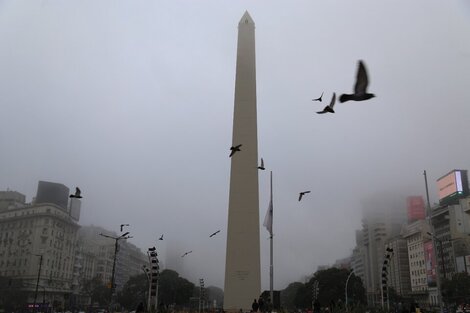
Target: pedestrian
[[255, 306], [261, 305]]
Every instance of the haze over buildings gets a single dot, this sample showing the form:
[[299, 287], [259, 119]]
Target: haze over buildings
[[133, 103]]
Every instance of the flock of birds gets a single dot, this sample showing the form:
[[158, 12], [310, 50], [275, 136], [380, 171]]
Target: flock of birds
[[360, 94]]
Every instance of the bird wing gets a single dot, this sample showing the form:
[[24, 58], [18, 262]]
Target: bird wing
[[231, 153], [361, 79], [333, 100], [77, 191], [300, 196], [308, 191], [262, 162], [321, 112]]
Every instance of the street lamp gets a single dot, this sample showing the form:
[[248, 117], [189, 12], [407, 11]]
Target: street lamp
[[116, 239], [346, 290], [429, 218], [37, 281]]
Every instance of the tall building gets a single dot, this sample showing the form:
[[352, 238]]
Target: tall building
[[383, 217], [38, 241], [399, 271], [242, 265], [417, 238]]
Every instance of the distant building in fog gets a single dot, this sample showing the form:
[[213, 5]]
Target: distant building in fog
[[55, 193], [383, 217]]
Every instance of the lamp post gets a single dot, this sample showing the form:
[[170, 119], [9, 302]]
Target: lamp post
[[428, 215], [346, 290], [116, 240], [37, 281]]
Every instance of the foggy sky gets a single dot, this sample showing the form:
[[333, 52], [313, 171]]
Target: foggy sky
[[132, 101]]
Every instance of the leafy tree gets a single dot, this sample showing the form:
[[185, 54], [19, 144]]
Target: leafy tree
[[174, 289], [457, 289], [288, 295], [134, 291], [331, 284], [97, 291]]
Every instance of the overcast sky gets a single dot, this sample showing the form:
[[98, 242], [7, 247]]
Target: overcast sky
[[133, 102]]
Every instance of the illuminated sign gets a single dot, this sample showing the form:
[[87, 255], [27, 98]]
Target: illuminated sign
[[450, 184]]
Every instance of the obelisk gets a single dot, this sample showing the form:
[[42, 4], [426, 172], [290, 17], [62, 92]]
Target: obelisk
[[242, 264]]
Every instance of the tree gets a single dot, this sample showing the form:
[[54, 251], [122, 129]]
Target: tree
[[97, 291], [288, 295], [457, 289], [331, 284], [174, 289], [134, 291]]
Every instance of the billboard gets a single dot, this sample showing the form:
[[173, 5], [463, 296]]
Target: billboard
[[415, 208], [430, 260], [453, 183]]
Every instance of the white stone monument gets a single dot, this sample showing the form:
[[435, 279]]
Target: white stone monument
[[242, 265]]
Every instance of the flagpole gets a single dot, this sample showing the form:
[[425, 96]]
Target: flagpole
[[271, 269]]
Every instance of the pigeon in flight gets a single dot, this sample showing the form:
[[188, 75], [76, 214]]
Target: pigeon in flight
[[215, 233], [261, 167], [319, 98], [186, 253], [234, 149], [360, 89], [77, 193], [161, 237], [122, 226], [303, 193], [329, 108]]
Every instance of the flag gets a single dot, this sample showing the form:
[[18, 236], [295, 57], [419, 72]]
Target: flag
[[268, 219]]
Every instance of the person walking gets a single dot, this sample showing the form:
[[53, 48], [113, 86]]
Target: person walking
[[255, 306]]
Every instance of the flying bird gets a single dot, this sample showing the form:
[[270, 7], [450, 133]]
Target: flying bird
[[360, 89], [261, 167], [319, 98], [234, 149], [303, 193], [212, 235], [77, 193], [186, 253], [161, 237], [122, 226], [329, 108]]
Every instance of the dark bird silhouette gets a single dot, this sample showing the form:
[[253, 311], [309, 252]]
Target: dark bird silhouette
[[261, 167], [161, 237], [212, 235], [329, 108], [302, 194], [186, 253], [319, 98], [122, 226], [360, 89], [234, 149], [77, 194]]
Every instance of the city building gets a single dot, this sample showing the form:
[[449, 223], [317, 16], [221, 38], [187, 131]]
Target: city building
[[399, 270], [37, 247], [383, 217]]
